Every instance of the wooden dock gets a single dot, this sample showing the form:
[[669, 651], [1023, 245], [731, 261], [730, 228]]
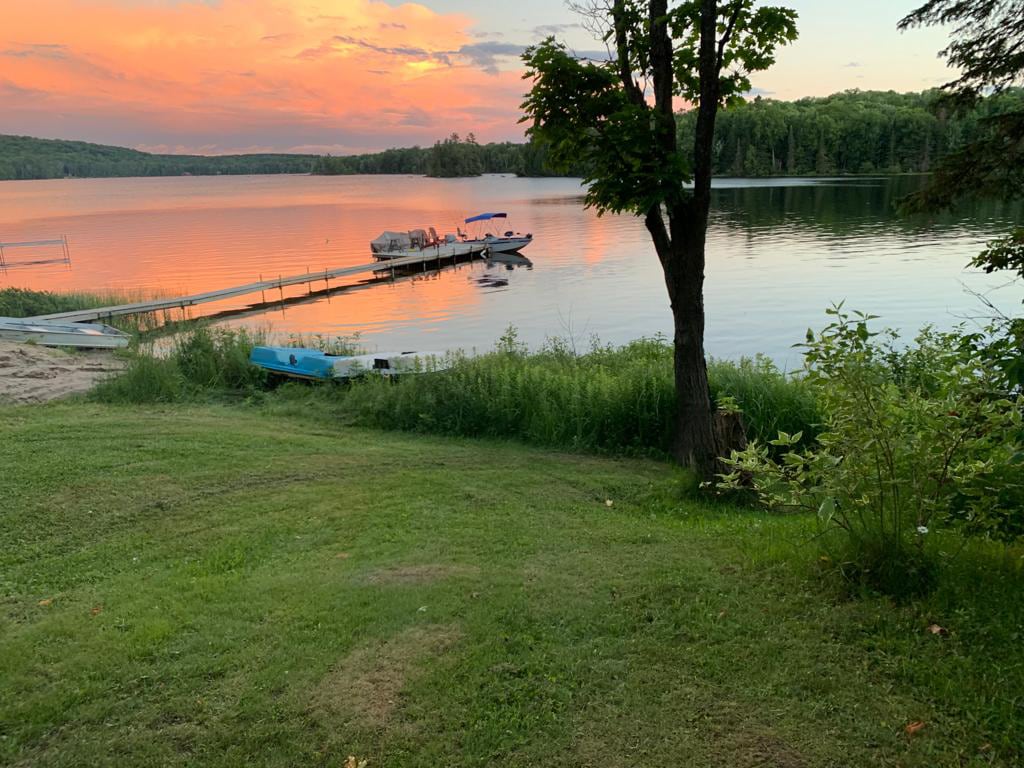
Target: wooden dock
[[157, 305]]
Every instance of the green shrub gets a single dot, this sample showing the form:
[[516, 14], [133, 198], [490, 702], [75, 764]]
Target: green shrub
[[914, 440]]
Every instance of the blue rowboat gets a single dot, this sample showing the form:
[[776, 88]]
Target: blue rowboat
[[316, 365]]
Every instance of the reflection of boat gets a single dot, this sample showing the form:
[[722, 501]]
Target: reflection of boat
[[510, 260], [314, 364], [508, 242], [47, 334], [397, 245]]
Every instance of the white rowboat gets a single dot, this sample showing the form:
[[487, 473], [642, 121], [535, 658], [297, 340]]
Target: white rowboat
[[46, 334]]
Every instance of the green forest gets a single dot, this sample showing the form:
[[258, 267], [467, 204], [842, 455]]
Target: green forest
[[451, 157], [853, 132], [847, 133], [22, 157]]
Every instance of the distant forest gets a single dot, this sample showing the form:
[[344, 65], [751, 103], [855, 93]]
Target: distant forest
[[22, 157], [854, 132], [454, 156]]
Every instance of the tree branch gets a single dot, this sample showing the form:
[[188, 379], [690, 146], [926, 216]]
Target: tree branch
[[661, 58], [708, 107], [622, 53], [730, 28]]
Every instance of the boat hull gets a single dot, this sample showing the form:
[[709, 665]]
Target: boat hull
[[439, 251], [504, 244], [46, 334], [314, 365]]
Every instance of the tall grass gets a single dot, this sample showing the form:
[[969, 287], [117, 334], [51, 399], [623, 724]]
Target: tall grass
[[202, 363], [616, 400], [771, 401], [608, 399], [20, 302]]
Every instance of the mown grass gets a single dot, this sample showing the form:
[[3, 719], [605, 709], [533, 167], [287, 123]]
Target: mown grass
[[197, 584], [608, 399]]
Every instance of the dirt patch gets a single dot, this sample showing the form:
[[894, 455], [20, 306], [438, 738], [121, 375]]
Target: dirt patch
[[758, 750], [419, 574], [34, 374], [366, 686]]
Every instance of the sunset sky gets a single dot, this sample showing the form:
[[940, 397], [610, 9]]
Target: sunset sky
[[344, 76]]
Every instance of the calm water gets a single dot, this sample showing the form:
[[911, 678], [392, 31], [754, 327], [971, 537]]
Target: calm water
[[779, 252]]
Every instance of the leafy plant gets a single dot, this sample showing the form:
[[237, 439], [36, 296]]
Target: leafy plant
[[914, 440]]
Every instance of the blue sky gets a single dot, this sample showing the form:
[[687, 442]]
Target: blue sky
[[842, 44]]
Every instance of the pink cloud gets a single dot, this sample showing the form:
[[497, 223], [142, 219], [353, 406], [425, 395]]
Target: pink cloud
[[276, 74]]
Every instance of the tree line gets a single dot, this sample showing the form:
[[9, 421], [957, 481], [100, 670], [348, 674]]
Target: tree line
[[24, 157], [451, 157], [853, 132]]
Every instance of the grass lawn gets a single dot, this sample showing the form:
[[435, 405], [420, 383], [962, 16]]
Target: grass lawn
[[213, 586]]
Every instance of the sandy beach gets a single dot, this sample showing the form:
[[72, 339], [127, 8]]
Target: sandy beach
[[33, 374]]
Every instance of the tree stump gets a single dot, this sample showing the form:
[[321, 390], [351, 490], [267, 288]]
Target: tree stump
[[730, 434]]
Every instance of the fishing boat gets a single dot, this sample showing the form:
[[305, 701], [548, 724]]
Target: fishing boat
[[507, 242], [315, 365], [49, 334], [423, 243]]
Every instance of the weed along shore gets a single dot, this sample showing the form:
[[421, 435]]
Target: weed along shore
[[492, 565]]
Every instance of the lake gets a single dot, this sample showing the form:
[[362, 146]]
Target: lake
[[779, 252]]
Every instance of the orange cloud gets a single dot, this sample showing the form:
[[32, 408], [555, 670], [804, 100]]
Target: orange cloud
[[321, 75]]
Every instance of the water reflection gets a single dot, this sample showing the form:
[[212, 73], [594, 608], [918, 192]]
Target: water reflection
[[779, 252]]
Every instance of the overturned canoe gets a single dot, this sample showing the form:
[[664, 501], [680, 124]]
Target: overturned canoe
[[313, 364], [48, 334]]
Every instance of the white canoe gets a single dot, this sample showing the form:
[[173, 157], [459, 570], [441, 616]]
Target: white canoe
[[47, 334]]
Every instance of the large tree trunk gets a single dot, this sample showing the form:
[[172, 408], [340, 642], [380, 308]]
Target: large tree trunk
[[684, 277], [695, 441]]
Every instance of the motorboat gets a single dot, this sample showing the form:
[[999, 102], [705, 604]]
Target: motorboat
[[422, 243], [51, 334], [315, 365], [507, 242]]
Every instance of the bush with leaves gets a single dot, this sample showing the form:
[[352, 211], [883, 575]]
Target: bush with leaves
[[914, 440]]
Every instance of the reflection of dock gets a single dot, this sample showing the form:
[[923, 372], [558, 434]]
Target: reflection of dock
[[423, 258]]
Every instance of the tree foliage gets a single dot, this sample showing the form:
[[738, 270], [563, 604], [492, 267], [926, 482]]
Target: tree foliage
[[585, 115], [987, 45]]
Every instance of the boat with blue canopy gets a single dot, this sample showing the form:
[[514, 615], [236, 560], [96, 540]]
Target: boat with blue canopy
[[507, 241]]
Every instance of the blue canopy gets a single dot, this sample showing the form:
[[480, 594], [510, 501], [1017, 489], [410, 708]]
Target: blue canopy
[[486, 217]]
